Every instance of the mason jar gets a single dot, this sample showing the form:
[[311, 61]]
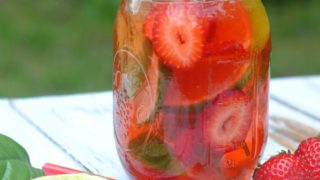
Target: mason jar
[[190, 87]]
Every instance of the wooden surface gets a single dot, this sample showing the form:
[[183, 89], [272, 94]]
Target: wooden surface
[[76, 130]]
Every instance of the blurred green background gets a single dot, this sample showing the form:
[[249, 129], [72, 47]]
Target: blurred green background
[[65, 46]]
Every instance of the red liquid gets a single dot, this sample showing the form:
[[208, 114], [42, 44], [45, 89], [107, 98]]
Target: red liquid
[[190, 102]]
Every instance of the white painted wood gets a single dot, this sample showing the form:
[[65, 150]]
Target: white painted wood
[[76, 120], [40, 149], [278, 110], [302, 93], [82, 124], [287, 128], [314, 81], [271, 149]]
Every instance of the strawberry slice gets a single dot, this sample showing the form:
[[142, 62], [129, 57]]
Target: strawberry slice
[[229, 33], [148, 25], [228, 51], [225, 59], [178, 35], [183, 134], [227, 120], [232, 23]]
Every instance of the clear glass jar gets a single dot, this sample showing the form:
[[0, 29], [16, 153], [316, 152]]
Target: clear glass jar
[[191, 80]]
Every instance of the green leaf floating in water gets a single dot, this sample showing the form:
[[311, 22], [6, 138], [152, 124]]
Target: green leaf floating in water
[[152, 151], [14, 161]]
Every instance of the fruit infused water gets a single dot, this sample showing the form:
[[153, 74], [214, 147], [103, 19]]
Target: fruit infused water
[[190, 83]]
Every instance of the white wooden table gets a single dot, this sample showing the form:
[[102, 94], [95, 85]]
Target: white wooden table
[[76, 130]]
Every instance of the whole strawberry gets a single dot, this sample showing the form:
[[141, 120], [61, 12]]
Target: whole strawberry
[[283, 167], [309, 152]]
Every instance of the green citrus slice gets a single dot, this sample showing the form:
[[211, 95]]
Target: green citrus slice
[[259, 22]]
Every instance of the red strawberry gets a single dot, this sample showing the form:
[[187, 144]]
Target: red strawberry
[[232, 23], [227, 120], [182, 133], [283, 167], [209, 23], [148, 25], [309, 152], [232, 36], [178, 36], [228, 51], [225, 58]]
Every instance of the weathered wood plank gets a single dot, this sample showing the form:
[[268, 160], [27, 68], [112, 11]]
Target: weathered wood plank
[[40, 149], [299, 93], [288, 127], [315, 82], [81, 124]]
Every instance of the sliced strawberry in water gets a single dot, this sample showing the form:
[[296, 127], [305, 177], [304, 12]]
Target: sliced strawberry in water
[[228, 51], [209, 23], [227, 120], [148, 25], [178, 36], [226, 56], [183, 134], [232, 23], [182, 147], [232, 36]]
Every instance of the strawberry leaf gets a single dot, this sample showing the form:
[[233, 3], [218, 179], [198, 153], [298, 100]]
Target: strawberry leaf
[[284, 152]]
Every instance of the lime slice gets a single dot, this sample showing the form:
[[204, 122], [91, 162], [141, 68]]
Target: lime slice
[[71, 177], [259, 22]]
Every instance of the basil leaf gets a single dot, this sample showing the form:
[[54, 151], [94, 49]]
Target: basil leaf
[[15, 169], [14, 161], [9, 150], [35, 172], [150, 151]]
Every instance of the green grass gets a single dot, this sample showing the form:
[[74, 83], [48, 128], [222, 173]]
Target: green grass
[[296, 37], [65, 46], [55, 46]]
